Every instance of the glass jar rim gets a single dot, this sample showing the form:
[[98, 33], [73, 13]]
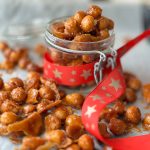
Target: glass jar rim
[[51, 36], [24, 31]]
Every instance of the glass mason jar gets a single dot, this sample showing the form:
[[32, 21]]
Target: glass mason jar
[[24, 34], [70, 53]]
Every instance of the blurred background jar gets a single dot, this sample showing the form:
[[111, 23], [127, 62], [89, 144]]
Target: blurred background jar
[[24, 34]]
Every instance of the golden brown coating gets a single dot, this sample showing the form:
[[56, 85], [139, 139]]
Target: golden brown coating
[[75, 100], [34, 67], [8, 118], [130, 95], [86, 142], [146, 122], [23, 62], [46, 105], [117, 126], [40, 49], [83, 38], [133, 115], [87, 58], [73, 147], [74, 131], [4, 95], [71, 27], [73, 120], [32, 96], [94, 11], [7, 52], [9, 105], [56, 56], [146, 92], [46, 92], [14, 56], [79, 15], [52, 123], [62, 94], [134, 83], [3, 130], [3, 46], [111, 24], [14, 83], [56, 136], [32, 143], [7, 65], [58, 30], [87, 23], [61, 112], [76, 62], [18, 95], [1, 83], [33, 74], [108, 113], [28, 109], [103, 130], [119, 107], [31, 125], [103, 23], [104, 34], [32, 83]]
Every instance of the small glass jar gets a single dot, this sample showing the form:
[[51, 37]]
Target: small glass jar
[[24, 34], [70, 53]]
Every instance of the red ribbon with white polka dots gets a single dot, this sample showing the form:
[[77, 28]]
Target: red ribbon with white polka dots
[[107, 91]]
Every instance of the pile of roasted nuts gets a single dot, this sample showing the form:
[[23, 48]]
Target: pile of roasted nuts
[[82, 31], [120, 119], [36, 107], [20, 57]]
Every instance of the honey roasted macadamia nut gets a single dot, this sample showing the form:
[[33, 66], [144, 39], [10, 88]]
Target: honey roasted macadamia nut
[[94, 11], [52, 123], [18, 95], [9, 105], [4, 95], [71, 27], [46, 92], [32, 96], [75, 100], [86, 142], [130, 95], [8, 118], [79, 15], [119, 107], [133, 115], [103, 130], [61, 112], [134, 83], [13, 83], [117, 126], [74, 131], [108, 113], [56, 136], [146, 122], [87, 23], [73, 120], [28, 109], [3, 46]]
